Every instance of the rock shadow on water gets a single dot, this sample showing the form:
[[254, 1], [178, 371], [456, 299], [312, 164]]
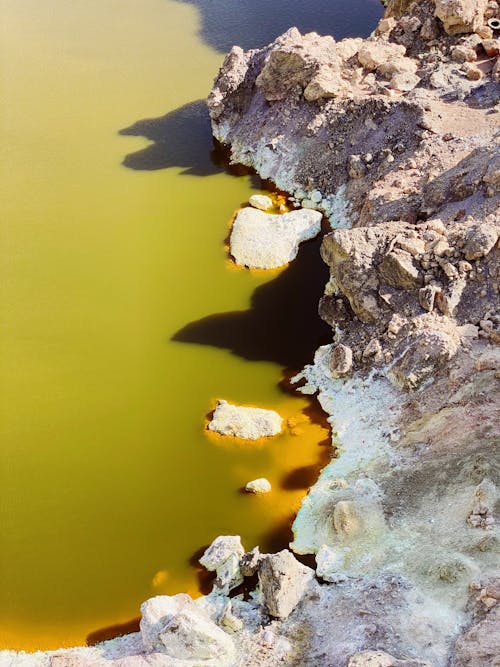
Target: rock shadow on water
[[182, 139], [254, 24], [282, 324], [113, 631]]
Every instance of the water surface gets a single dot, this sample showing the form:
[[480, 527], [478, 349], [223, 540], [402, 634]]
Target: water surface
[[122, 320]]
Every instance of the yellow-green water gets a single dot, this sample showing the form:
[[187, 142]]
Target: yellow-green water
[[108, 482]]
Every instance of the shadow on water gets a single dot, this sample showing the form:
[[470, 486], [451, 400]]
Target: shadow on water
[[225, 23], [282, 324], [113, 631], [181, 138]]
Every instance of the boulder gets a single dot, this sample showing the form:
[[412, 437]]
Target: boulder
[[262, 202], [283, 581], [264, 241], [261, 485], [461, 16], [223, 557], [292, 62], [175, 626], [243, 422]]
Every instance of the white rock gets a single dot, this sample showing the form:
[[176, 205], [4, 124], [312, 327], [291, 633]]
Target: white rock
[[262, 202], [243, 422], [261, 485], [316, 196], [265, 241], [175, 626], [329, 563], [220, 550], [223, 557]]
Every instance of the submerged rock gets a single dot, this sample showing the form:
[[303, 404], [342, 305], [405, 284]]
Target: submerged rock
[[245, 422], [264, 241]]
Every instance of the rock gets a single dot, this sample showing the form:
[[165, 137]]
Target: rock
[[223, 557], [325, 83], [495, 72], [480, 240], [399, 270], [373, 349], [220, 550], [373, 55], [382, 659], [426, 296], [348, 48], [264, 241], [262, 202], [491, 46], [420, 358], [341, 360], [293, 61], [461, 16], [244, 422], [261, 485], [329, 564], [175, 626], [404, 81], [472, 72], [283, 582], [386, 25], [249, 563], [463, 54], [480, 645]]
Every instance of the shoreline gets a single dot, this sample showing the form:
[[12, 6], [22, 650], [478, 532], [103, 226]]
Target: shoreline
[[401, 522]]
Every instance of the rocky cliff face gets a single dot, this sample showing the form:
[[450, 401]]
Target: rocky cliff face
[[395, 140]]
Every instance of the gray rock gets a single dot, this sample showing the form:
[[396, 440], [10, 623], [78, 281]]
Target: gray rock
[[283, 582], [480, 240]]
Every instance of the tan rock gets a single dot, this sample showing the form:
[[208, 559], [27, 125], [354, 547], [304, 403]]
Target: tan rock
[[491, 46], [372, 55], [461, 16], [398, 269], [463, 54], [341, 360]]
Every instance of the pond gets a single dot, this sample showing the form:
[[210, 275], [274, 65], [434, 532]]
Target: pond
[[122, 318]]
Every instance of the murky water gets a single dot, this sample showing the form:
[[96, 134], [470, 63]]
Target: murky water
[[121, 318]]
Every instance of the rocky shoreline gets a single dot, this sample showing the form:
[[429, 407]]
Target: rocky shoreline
[[395, 139]]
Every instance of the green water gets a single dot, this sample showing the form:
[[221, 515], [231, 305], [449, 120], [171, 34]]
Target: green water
[[112, 245]]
